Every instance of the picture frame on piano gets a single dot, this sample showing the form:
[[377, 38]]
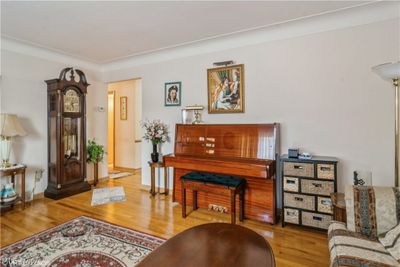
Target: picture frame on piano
[[226, 89]]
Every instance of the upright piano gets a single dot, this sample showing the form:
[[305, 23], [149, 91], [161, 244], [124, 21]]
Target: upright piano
[[244, 150]]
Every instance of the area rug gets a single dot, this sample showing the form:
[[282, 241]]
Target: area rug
[[81, 242], [119, 175], [106, 195]]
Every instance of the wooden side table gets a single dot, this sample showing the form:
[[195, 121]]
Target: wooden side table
[[153, 166], [339, 207], [13, 171]]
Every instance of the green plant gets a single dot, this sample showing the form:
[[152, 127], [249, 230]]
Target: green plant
[[95, 152]]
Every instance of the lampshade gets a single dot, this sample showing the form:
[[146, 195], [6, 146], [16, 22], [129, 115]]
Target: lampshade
[[10, 126], [388, 71]]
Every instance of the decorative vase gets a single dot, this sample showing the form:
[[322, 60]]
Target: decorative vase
[[8, 193], [154, 155]]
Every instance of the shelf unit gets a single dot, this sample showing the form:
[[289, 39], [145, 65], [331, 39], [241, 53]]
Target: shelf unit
[[306, 188]]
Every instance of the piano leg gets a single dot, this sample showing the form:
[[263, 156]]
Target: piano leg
[[183, 200], [194, 200], [233, 207], [241, 204]]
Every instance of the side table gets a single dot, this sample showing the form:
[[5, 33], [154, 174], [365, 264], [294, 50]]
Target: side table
[[13, 171], [153, 166], [339, 207]]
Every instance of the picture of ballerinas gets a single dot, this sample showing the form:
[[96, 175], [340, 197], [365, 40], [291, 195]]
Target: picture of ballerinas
[[225, 89]]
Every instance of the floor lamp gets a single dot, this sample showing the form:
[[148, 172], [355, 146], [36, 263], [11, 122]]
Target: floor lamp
[[391, 72]]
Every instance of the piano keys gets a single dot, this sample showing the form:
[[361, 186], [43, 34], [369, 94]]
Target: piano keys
[[245, 150]]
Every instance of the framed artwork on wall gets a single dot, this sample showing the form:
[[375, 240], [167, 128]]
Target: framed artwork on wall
[[172, 94], [225, 89], [123, 108]]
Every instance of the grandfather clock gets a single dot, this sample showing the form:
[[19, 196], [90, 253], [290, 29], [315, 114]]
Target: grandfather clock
[[66, 119]]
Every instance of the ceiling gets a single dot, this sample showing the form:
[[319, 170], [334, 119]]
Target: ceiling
[[104, 31]]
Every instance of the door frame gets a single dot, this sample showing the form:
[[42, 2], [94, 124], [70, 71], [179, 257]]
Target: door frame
[[113, 94]]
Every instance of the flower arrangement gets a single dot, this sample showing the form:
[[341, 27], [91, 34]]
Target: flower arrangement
[[155, 131]]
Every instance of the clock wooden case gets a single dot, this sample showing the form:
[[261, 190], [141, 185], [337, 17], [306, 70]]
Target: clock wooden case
[[66, 109]]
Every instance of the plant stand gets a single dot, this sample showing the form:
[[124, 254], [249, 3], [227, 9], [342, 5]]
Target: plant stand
[[96, 173]]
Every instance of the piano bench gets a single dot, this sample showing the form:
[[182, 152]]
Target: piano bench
[[217, 184]]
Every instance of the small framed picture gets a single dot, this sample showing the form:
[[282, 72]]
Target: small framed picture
[[123, 108], [172, 95]]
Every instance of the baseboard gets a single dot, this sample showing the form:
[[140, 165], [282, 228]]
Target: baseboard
[[144, 187], [91, 181], [118, 168], [38, 196]]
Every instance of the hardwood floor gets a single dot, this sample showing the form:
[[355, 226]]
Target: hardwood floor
[[292, 246]]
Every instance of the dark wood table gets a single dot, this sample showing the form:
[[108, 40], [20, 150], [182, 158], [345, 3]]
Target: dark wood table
[[213, 245], [13, 171], [339, 207]]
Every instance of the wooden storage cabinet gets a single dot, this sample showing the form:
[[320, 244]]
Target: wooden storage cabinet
[[306, 189]]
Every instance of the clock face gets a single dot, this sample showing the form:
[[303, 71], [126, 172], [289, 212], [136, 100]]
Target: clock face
[[71, 101]]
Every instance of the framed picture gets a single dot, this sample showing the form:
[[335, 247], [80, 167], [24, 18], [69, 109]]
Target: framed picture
[[172, 95], [123, 108], [225, 89]]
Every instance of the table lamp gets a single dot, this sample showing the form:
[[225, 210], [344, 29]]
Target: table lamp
[[391, 72], [9, 127]]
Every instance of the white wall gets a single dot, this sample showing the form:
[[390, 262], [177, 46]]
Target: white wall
[[24, 92], [127, 151], [319, 87]]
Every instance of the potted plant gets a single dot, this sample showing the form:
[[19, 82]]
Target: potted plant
[[95, 155], [157, 133]]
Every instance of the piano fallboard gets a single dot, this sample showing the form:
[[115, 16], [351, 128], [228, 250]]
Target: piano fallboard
[[239, 167]]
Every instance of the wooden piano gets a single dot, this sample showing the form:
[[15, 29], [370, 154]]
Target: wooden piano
[[244, 150]]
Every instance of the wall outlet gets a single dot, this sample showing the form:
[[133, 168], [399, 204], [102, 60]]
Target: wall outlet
[[217, 208], [39, 175]]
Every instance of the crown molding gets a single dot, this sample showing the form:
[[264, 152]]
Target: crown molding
[[351, 17], [44, 53]]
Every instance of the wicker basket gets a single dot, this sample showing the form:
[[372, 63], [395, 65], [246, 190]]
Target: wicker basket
[[326, 171], [324, 188], [325, 205], [298, 169], [291, 216], [291, 184], [315, 220], [299, 201]]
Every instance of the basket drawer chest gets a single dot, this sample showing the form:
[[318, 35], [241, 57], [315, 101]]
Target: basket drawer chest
[[306, 188]]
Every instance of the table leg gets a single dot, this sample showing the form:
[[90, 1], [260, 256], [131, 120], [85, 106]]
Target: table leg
[[233, 207], [153, 181], [183, 200], [166, 176], [23, 189]]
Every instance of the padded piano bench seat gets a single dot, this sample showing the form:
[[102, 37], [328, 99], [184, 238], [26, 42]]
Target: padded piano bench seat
[[217, 184]]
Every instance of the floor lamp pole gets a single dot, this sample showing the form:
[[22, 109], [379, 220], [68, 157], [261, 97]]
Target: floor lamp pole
[[396, 156]]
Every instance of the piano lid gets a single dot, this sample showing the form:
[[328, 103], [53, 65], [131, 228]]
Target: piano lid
[[246, 141]]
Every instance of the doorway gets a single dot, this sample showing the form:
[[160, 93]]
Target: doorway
[[124, 131], [111, 130]]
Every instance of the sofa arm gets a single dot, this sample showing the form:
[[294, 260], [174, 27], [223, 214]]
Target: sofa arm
[[348, 248]]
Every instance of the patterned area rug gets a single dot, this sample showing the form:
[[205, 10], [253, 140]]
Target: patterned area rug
[[106, 195], [81, 242]]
